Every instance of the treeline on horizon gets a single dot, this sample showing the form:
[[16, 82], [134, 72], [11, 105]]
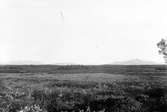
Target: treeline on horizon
[[114, 69]]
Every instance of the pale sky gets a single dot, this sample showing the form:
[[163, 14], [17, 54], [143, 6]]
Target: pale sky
[[81, 31]]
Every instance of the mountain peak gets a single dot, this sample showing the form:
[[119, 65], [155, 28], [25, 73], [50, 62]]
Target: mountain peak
[[134, 62]]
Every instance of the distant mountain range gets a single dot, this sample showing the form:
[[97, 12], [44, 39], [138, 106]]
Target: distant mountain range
[[134, 62], [24, 63], [64, 63], [128, 62]]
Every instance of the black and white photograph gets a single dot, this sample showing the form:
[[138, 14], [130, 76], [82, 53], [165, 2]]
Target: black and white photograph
[[83, 56]]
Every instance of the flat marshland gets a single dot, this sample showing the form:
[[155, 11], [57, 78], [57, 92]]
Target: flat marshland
[[76, 88]]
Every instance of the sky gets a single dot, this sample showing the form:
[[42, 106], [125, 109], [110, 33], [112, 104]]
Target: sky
[[81, 31]]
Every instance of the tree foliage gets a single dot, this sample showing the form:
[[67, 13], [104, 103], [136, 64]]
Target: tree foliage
[[162, 45]]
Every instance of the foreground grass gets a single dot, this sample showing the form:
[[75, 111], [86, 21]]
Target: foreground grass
[[89, 92]]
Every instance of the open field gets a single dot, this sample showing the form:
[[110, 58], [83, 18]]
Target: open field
[[108, 88]]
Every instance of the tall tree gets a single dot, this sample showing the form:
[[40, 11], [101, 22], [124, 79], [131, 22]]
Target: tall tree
[[162, 45]]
